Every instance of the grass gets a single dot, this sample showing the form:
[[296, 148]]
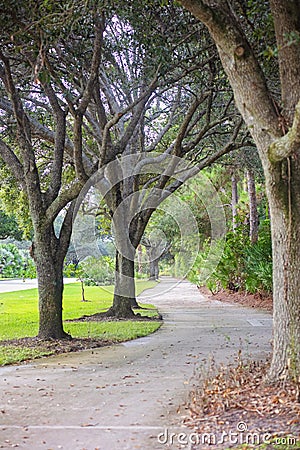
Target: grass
[[19, 318], [10, 354]]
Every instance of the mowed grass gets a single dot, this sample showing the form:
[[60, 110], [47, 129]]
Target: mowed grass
[[19, 318]]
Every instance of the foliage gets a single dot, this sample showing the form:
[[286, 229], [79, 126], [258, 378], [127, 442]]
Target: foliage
[[15, 263], [93, 271], [98, 271], [14, 206], [243, 266], [9, 227]]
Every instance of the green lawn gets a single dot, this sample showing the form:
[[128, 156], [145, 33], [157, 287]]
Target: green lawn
[[19, 318]]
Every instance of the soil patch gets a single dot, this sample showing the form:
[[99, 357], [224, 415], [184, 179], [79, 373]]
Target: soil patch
[[104, 317], [257, 301], [57, 346]]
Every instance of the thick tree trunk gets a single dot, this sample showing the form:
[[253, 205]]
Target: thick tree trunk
[[284, 199], [124, 293], [50, 286], [253, 219]]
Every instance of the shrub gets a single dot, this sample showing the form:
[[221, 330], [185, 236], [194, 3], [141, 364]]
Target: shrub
[[15, 263], [97, 271], [243, 266]]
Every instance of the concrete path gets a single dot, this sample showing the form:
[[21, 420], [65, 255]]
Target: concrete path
[[127, 396], [20, 285]]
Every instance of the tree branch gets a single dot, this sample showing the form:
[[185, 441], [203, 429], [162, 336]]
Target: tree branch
[[284, 146], [65, 197], [13, 163], [30, 170], [59, 144]]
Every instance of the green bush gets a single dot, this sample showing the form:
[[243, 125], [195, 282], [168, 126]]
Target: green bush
[[11, 261], [96, 271], [99, 271], [15, 263], [243, 266]]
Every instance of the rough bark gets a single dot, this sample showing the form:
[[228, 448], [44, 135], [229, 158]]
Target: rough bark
[[124, 292], [50, 286], [271, 132], [253, 214]]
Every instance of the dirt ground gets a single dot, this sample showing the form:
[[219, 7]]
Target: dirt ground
[[257, 301]]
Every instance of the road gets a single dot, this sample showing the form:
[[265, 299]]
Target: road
[[20, 285], [126, 396]]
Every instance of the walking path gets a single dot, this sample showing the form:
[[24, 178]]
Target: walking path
[[126, 396]]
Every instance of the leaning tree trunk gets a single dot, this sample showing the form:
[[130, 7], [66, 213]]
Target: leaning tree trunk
[[50, 287], [284, 200]]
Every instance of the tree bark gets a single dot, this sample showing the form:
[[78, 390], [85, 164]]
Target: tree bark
[[124, 293], [253, 219], [284, 199], [50, 286]]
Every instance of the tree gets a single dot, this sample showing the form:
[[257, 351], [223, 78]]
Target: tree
[[157, 247], [276, 132], [40, 146], [81, 87], [172, 113]]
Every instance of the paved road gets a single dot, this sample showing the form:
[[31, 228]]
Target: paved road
[[20, 285], [122, 397]]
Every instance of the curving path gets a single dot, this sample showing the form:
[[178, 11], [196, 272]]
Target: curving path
[[122, 397]]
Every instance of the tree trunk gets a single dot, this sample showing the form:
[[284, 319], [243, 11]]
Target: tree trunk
[[83, 299], [140, 259], [234, 201], [153, 269], [284, 199], [253, 233], [124, 293], [50, 286]]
